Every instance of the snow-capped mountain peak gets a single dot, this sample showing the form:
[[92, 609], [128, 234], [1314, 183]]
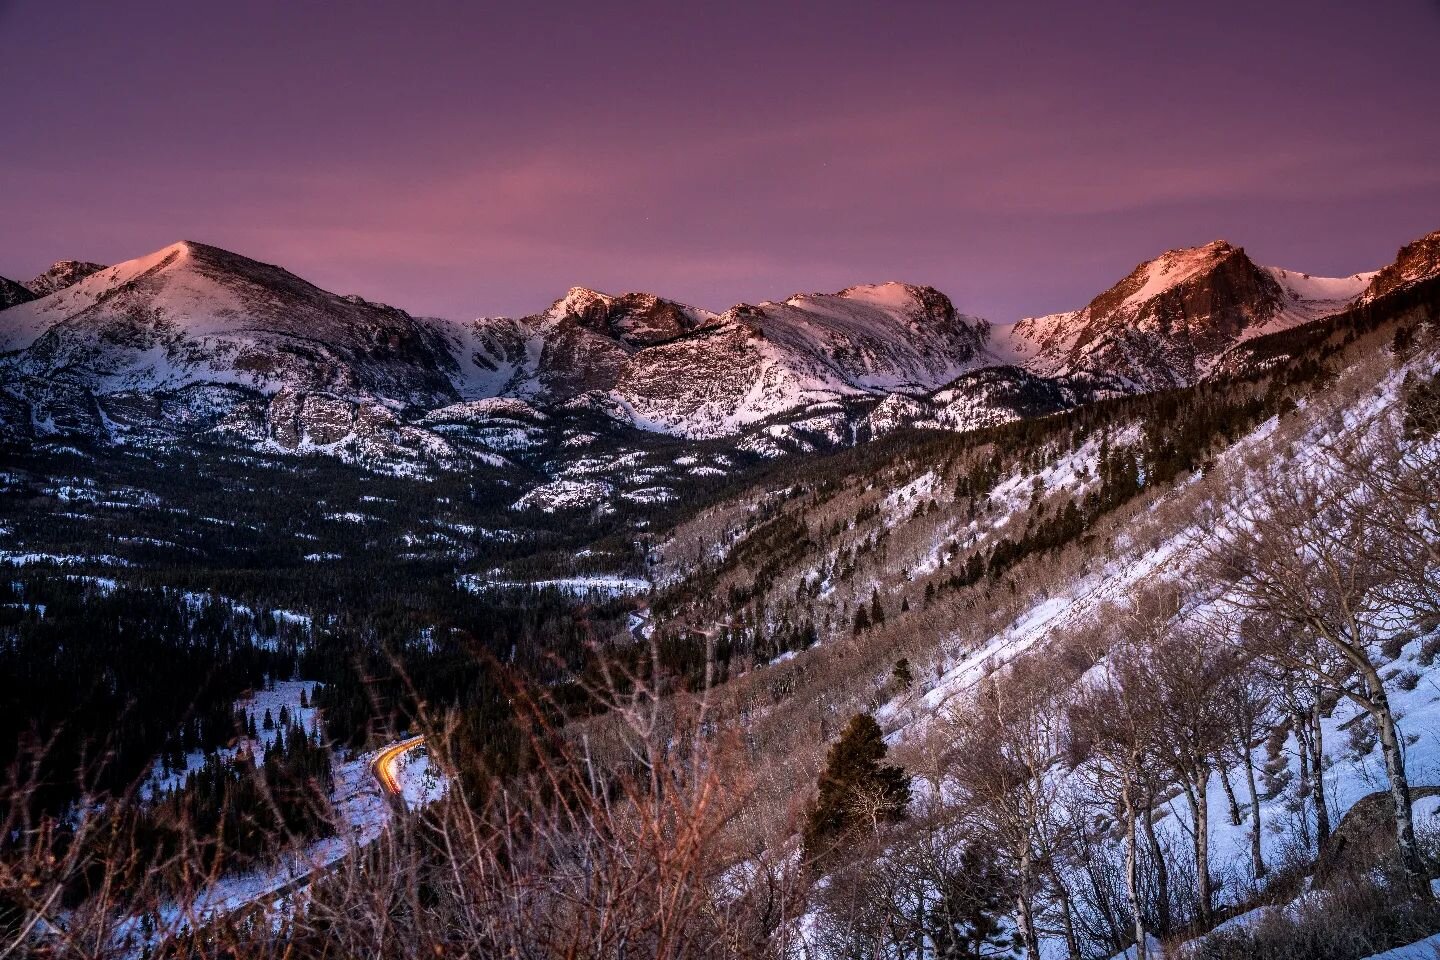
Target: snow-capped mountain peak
[[250, 351], [1169, 320], [192, 313]]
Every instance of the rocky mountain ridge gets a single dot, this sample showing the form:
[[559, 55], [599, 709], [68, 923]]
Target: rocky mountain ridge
[[194, 341]]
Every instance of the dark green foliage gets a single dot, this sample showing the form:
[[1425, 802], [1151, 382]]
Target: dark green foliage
[[862, 619], [903, 676], [241, 808], [106, 680], [965, 923], [856, 789], [1422, 406]]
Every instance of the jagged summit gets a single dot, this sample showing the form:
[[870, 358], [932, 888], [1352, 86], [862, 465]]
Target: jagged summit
[[675, 368], [62, 274], [636, 319], [1167, 321], [1416, 261]]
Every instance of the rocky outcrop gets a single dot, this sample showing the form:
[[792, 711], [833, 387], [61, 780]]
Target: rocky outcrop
[[62, 274], [12, 293], [1416, 262]]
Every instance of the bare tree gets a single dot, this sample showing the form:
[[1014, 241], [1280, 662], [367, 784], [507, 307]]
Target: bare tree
[[1189, 677], [1111, 728], [1005, 746], [1302, 552], [1395, 470], [1248, 701]]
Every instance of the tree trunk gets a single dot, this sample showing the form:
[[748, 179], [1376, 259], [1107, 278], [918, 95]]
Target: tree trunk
[[1257, 857], [1317, 774], [1132, 873], [1162, 874], [1067, 916], [1202, 846], [1410, 858], [1302, 739], [1023, 908], [1027, 927], [1230, 797], [920, 917]]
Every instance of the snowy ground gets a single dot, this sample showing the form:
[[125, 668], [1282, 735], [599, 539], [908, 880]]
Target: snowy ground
[[362, 811], [360, 806], [1354, 768], [584, 586], [420, 779]]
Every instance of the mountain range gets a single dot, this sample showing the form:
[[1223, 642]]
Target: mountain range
[[192, 341]]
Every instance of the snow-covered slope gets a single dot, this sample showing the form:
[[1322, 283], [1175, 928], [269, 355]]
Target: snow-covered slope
[[1167, 322], [678, 369], [191, 313], [759, 361]]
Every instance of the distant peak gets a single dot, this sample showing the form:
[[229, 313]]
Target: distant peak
[[62, 274], [67, 265], [1213, 250], [578, 300], [886, 292]]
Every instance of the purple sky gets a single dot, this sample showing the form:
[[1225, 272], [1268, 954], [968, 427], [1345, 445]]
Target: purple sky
[[462, 158]]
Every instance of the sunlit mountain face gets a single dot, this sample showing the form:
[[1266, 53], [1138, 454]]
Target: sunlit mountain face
[[896, 482]]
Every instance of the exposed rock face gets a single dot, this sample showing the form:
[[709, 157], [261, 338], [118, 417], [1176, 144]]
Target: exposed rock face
[[62, 274], [1416, 262], [582, 344], [755, 362], [12, 293], [1166, 323], [634, 319], [311, 419]]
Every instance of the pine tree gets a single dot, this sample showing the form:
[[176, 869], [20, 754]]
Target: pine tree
[[965, 921], [862, 618], [855, 789]]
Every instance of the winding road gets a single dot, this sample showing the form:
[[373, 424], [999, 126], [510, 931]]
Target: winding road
[[386, 765]]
